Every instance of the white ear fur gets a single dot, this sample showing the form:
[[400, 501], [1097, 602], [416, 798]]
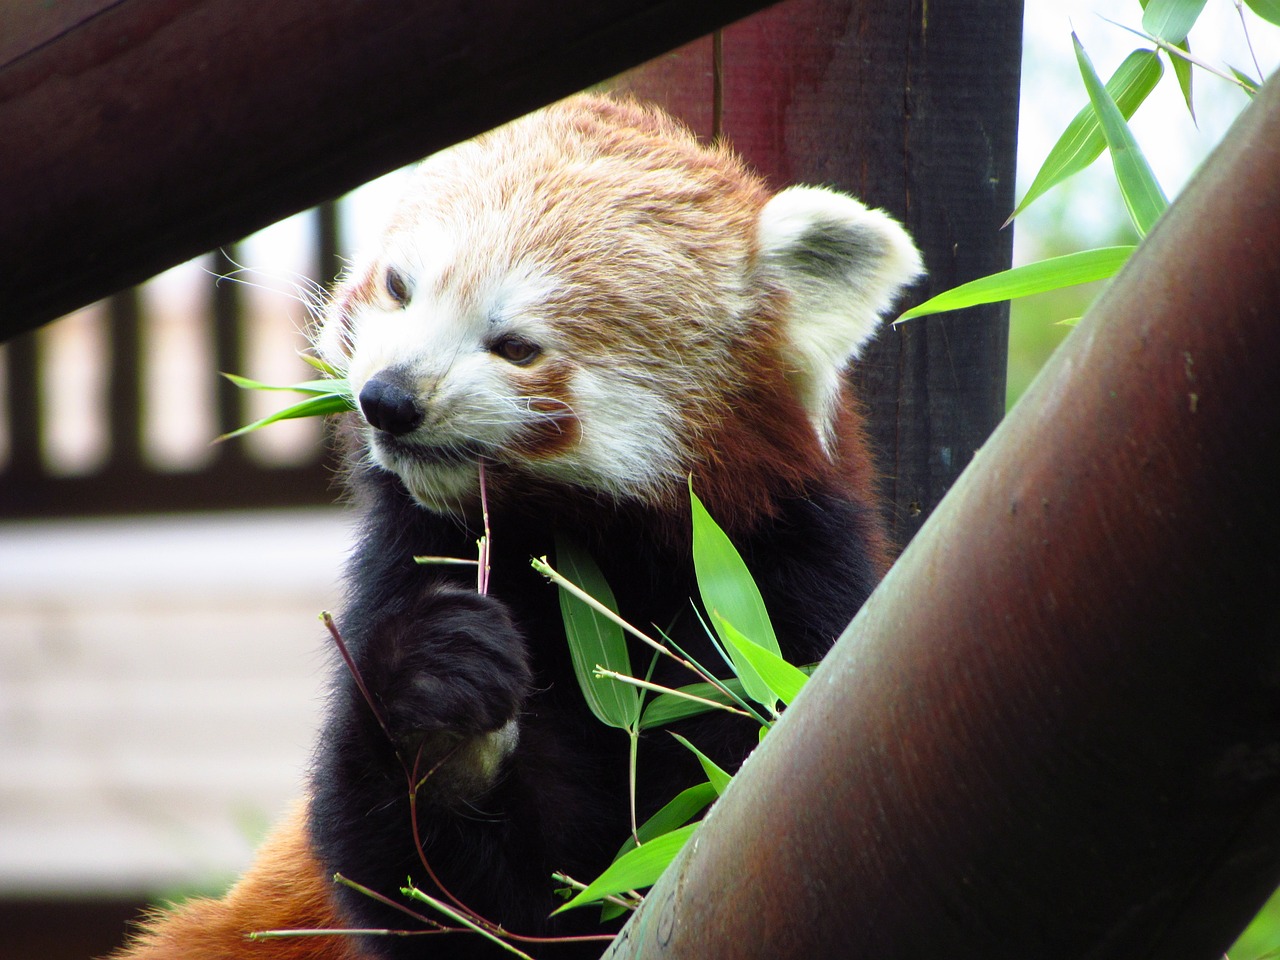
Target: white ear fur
[[842, 265]]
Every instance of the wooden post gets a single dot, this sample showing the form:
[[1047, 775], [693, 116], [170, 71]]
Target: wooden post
[[911, 107]]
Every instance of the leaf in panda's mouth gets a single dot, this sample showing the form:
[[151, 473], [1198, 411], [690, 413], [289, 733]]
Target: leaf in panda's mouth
[[320, 398]]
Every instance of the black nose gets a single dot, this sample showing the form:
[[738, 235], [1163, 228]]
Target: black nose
[[388, 406]]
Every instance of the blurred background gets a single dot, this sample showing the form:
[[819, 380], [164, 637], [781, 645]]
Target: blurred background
[[161, 672]]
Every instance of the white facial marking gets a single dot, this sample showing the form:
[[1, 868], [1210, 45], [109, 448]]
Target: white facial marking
[[472, 399], [627, 447]]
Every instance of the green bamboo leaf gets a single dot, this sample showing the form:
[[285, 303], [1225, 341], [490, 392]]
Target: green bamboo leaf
[[1143, 197], [783, 679], [1182, 70], [1247, 83], [686, 805], [639, 868], [319, 387], [719, 778], [1042, 276], [754, 685], [726, 587], [1268, 10], [1171, 20], [609, 910], [327, 369], [1181, 66], [316, 406], [667, 708], [724, 581], [1082, 142], [595, 640]]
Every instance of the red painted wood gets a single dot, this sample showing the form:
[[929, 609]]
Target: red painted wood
[[683, 81]]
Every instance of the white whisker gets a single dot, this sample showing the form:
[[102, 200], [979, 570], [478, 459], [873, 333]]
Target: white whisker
[[299, 286]]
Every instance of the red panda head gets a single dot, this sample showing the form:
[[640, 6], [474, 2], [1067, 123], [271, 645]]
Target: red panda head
[[590, 298]]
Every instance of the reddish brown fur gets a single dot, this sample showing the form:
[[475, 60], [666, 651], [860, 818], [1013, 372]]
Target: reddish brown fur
[[285, 888], [856, 468], [757, 448], [747, 428], [549, 383], [698, 211], [647, 232]]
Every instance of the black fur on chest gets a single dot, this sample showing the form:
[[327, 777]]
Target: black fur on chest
[[437, 657]]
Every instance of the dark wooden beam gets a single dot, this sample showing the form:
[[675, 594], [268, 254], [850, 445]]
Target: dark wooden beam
[[1054, 730], [135, 134]]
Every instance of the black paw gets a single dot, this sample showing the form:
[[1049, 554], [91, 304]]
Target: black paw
[[451, 662]]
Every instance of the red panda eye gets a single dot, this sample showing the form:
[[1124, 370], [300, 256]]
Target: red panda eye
[[397, 288], [516, 350]]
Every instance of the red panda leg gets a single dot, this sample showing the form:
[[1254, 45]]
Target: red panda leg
[[285, 888]]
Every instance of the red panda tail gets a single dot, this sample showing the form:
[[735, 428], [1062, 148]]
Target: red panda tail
[[286, 888]]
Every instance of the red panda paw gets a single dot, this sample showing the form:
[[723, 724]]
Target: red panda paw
[[450, 674]]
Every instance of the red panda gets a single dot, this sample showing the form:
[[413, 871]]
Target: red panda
[[597, 308]]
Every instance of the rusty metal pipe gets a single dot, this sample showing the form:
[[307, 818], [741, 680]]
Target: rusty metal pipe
[[135, 134], [1054, 731]]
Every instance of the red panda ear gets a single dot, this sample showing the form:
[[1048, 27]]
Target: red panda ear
[[842, 266]]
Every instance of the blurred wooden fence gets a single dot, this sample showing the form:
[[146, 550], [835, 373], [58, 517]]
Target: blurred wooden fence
[[112, 455]]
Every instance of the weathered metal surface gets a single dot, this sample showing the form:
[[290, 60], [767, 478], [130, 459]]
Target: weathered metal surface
[[135, 134], [1055, 729]]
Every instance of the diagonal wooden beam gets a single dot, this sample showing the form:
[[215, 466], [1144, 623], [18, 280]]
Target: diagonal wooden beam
[[135, 134]]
